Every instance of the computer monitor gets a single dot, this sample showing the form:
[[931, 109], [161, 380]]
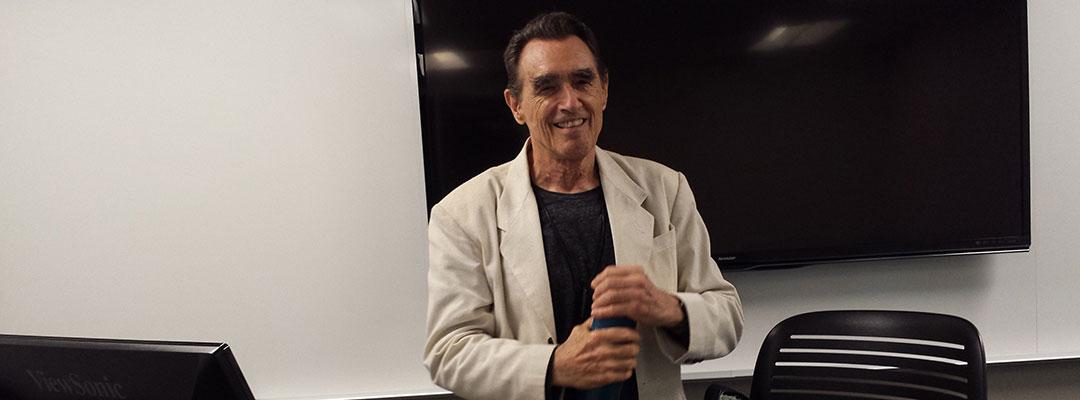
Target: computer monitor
[[39, 367]]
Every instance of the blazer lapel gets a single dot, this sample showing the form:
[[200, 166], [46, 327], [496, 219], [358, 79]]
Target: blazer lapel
[[631, 225], [522, 243]]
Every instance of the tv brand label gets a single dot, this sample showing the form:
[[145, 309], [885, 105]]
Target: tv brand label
[[75, 384]]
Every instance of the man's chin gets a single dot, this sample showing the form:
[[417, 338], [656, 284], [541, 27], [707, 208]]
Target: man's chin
[[576, 152]]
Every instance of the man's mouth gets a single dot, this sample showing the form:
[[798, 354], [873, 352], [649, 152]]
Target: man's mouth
[[570, 123]]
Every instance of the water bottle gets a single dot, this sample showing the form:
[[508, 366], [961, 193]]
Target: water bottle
[[610, 391]]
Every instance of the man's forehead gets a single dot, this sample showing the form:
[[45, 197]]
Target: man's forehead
[[556, 56]]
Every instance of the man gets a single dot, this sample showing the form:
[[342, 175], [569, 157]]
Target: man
[[525, 255]]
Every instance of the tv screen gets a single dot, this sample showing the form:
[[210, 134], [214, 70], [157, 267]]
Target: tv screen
[[810, 130], [38, 367]]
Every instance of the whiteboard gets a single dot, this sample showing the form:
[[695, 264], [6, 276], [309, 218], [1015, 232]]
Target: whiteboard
[[251, 172], [239, 171]]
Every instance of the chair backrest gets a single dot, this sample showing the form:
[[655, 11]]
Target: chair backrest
[[884, 355]]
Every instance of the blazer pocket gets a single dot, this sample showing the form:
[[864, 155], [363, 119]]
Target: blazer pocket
[[662, 262]]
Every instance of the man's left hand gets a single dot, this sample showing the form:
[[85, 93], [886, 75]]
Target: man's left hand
[[625, 291]]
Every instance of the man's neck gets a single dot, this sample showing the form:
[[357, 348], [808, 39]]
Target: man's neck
[[564, 176]]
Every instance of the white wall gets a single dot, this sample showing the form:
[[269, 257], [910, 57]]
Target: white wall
[[250, 171], [1055, 169], [240, 171]]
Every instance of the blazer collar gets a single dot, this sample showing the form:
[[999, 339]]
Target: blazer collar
[[521, 242], [631, 224], [517, 194]]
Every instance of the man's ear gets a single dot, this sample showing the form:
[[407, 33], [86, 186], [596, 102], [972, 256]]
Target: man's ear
[[513, 104], [604, 89]]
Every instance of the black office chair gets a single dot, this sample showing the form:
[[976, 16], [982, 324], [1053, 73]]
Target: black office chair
[[717, 391], [870, 355]]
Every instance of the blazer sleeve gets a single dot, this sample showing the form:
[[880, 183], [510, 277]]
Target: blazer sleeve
[[713, 307], [462, 353]]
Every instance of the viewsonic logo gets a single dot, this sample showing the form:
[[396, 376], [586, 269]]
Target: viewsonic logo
[[75, 384]]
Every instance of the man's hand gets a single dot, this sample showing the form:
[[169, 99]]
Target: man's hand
[[625, 291], [590, 359]]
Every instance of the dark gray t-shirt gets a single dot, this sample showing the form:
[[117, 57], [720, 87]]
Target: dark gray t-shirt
[[577, 246]]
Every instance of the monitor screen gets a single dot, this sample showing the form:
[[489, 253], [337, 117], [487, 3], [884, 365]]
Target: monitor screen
[[810, 130], [38, 367]]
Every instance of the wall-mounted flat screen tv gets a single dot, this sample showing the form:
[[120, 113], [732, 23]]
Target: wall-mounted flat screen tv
[[811, 131]]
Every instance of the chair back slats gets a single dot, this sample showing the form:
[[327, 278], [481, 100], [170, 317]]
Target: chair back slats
[[865, 385], [879, 361], [828, 395], [883, 355], [888, 347], [950, 383]]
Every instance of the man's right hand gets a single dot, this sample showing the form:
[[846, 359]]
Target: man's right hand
[[593, 358]]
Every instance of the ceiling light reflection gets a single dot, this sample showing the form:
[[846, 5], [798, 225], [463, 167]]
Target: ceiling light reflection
[[801, 35], [446, 60]]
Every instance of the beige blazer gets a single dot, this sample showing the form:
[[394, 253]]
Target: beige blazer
[[490, 319]]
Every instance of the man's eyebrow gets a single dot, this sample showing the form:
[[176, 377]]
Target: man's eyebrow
[[543, 80], [586, 73], [550, 78]]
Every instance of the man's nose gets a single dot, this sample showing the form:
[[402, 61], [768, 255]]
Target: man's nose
[[569, 98]]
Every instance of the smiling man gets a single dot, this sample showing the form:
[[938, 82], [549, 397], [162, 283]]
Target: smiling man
[[525, 256]]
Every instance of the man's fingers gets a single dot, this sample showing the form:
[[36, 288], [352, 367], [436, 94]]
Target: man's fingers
[[602, 312], [616, 311], [600, 356], [634, 311], [623, 290], [592, 358], [616, 271], [617, 335], [619, 365], [618, 354], [624, 302], [625, 351], [611, 282], [623, 355], [620, 295]]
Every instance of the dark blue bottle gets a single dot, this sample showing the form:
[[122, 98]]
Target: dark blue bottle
[[610, 391]]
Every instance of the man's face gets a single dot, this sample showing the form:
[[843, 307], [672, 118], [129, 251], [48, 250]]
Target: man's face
[[562, 98]]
